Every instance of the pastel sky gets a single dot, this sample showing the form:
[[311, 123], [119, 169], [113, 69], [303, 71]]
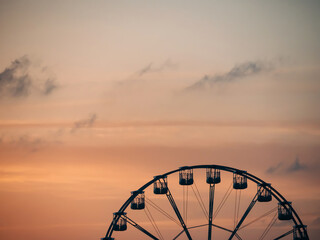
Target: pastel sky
[[97, 97]]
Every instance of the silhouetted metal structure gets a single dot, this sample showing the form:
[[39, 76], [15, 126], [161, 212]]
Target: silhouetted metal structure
[[299, 234], [119, 221], [138, 202], [160, 186], [213, 176], [239, 180], [185, 176], [265, 193], [284, 211]]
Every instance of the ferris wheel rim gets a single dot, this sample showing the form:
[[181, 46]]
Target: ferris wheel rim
[[278, 196]]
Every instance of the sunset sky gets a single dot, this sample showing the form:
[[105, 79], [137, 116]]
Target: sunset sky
[[97, 97]]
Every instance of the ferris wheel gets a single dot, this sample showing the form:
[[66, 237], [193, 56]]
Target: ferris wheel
[[181, 211]]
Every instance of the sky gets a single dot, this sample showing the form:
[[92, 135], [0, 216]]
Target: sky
[[97, 97]]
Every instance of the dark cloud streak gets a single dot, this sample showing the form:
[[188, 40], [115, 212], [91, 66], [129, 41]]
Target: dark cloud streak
[[84, 123], [32, 144], [168, 64], [16, 81], [281, 168], [273, 169], [145, 70], [296, 166], [240, 71]]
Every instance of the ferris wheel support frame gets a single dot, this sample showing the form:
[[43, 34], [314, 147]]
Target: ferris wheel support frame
[[280, 198]]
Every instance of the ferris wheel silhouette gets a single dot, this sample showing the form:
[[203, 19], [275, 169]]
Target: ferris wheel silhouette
[[281, 212]]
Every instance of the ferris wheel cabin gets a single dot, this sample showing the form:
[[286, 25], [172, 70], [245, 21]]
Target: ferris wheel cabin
[[264, 193], [160, 186], [138, 202], [298, 233], [185, 176], [213, 176], [284, 211], [121, 224], [239, 181]]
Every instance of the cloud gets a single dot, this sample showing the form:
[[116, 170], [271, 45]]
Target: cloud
[[240, 71], [145, 70], [22, 77], [273, 169], [34, 143], [31, 143], [168, 64], [143, 79], [84, 123], [296, 166], [285, 168], [49, 86]]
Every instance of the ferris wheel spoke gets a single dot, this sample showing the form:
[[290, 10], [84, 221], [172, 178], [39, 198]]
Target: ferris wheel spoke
[[153, 222], [176, 210], [223, 201], [226, 229], [211, 201], [137, 226], [214, 225], [269, 226], [251, 205], [204, 211], [260, 217], [283, 235], [156, 207]]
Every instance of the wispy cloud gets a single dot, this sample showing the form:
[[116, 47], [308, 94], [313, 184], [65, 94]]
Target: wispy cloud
[[145, 69], [150, 68], [296, 166], [26, 141], [287, 168], [275, 168], [17, 80], [35, 142], [146, 77], [49, 86], [84, 123], [238, 72]]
